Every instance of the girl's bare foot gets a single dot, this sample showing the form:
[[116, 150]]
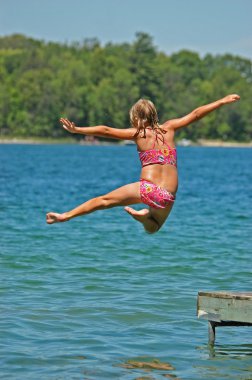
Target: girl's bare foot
[[53, 217], [141, 215], [144, 216]]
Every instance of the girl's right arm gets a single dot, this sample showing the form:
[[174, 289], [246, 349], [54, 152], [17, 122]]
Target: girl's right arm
[[200, 112], [100, 131]]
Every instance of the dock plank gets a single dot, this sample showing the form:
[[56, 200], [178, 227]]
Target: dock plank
[[224, 309], [225, 306]]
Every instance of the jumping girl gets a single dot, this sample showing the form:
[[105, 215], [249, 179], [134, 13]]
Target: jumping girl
[[157, 152]]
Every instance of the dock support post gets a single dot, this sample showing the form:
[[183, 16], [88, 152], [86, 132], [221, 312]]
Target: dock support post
[[211, 332], [224, 309]]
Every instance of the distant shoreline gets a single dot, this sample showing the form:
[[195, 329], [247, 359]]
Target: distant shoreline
[[36, 141], [51, 141], [224, 144]]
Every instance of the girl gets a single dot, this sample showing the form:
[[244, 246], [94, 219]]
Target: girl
[[159, 178]]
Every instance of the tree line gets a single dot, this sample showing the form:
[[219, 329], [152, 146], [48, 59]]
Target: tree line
[[93, 84]]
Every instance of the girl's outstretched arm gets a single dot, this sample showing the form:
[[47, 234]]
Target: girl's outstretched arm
[[100, 131], [200, 112]]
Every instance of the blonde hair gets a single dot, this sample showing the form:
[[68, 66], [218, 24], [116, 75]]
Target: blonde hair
[[143, 114]]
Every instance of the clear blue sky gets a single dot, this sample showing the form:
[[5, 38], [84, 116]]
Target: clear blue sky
[[214, 26]]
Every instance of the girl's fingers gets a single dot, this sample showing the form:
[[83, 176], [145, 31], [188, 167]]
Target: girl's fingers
[[67, 124], [65, 121], [64, 125], [235, 97]]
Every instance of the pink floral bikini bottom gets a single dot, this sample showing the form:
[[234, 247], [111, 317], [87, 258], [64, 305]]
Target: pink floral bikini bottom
[[155, 196]]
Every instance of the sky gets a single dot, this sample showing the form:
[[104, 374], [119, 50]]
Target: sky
[[203, 26]]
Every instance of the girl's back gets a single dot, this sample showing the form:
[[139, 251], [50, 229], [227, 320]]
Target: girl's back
[[158, 155]]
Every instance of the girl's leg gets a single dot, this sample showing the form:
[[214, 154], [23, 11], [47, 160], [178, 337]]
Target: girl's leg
[[152, 218], [125, 195]]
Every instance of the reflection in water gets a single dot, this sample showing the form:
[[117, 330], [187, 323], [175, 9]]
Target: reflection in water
[[219, 358], [232, 351]]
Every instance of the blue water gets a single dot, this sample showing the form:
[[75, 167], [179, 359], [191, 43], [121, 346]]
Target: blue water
[[79, 300]]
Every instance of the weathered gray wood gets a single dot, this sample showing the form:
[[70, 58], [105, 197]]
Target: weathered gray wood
[[224, 309], [225, 306]]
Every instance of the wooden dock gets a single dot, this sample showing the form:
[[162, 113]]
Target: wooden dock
[[224, 309]]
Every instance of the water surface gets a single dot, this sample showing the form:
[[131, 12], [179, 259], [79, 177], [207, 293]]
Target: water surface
[[81, 299]]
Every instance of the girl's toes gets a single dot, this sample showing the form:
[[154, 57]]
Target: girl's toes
[[52, 217], [130, 210]]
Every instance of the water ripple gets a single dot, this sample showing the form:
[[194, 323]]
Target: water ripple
[[82, 299]]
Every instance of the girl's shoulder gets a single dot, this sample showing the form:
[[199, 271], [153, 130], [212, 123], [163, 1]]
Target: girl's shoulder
[[167, 125]]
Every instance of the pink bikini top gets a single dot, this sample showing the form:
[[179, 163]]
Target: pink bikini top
[[165, 156]]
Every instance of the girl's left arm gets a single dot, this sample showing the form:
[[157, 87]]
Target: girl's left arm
[[100, 131], [201, 112]]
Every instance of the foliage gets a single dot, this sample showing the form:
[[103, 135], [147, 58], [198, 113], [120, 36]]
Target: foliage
[[93, 84]]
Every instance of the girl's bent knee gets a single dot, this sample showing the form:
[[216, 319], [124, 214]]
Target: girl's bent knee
[[152, 230]]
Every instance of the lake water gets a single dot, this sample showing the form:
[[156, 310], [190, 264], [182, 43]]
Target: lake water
[[80, 300]]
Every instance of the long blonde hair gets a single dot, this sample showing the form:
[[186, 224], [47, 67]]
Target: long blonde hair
[[143, 114]]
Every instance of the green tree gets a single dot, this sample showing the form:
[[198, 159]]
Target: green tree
[[91, 84]]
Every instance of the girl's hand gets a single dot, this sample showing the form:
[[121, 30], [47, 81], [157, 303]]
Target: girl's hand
[[231, 98], [68, 125]]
